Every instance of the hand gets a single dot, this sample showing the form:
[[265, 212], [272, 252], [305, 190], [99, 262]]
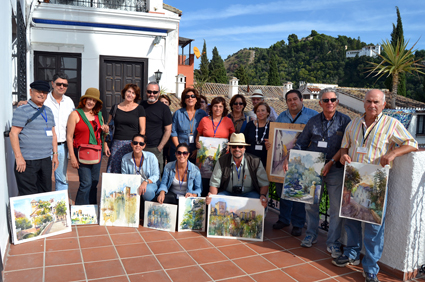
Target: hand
[[198, 145], [345, 158], [105, 128], [387, 158], [74, 162], [55, 162], [161, 197], [142, 188], [21, 165], [21, 103], [194, 153], [188, 195], [160, 148], [106, 149], [264, 201], [267, 144], [208, 198], [285, 165], [327, 167]]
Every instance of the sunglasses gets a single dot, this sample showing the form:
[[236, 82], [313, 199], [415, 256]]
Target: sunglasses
[[58, 84], [151, 92], [203, 102], [179, 153], [190, 96], [135, 143], [333, 100], [238, 104], [237, 146]]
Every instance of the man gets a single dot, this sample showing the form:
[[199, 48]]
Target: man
[[371, 139], [33, 140], [323, 133], [158, 123], [256, 98], [292, 212], [239, 173]]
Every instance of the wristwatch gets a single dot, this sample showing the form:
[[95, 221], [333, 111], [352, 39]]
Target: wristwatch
[[333, 161]]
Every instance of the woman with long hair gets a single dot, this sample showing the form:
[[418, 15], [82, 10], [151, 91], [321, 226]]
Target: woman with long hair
[[238, 117]]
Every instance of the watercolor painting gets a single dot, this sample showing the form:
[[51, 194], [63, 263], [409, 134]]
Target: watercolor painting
[[364, 192], [303, 180], [160, 216], [211, 150], [235, 218], [84, 214], [39, 216], [119, 201], [192, 213], [283, 136]]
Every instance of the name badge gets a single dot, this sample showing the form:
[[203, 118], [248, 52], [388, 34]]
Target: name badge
[[258, 147], [322, 144], [361, 150], [49, 132], [191, 139]]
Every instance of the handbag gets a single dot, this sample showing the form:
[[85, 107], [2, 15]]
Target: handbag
[[110, 136], [89, 154]]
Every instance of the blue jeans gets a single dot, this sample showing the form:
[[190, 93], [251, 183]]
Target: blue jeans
[[89, 178], [290, 211], [60, 173], [150, 192], [333, 182]]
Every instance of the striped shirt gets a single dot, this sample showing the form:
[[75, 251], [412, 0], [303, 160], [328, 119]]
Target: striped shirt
[[381, 136]]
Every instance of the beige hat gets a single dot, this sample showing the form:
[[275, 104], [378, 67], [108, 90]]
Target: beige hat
[[257, 94], [92, 93], [237, 139]]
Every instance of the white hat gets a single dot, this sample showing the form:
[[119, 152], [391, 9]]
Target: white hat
[[257, 94], [237, 139]]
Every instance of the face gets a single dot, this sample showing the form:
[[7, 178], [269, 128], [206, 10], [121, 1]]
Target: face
[[218, 109], [237, 151], [238, 105], [38, 97], [130, 95], [374, 103], [190, 99], [165, 102], [138, 148], [294, 103], [255, 101], [328, 107], [203, 104], [60, 86], [152, 97], [262, 113], [90, 103], [182, 154]]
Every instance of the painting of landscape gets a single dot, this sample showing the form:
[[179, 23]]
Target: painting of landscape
[[211, 149], [119, 201], [303, 179], [160, 216], [235, 218], [39, 215], [84, 214], [192, 212], [364, 192]]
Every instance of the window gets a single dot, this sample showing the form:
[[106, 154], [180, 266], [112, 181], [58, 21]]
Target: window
[[420, 125]]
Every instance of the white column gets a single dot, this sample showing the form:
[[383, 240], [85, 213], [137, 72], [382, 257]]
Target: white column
[[233, 87], [180, 84]]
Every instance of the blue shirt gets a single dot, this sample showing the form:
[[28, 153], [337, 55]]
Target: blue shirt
[[150, 166], [303, 116], [318, 128], [194, 179], [182, 125]]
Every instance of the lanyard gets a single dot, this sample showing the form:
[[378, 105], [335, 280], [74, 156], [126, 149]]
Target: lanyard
[[363, 131], [178, 176], [192, 123], [256, 133], [238, 173], [215, 130], [297, 117], [45, 117], [324, 132], [140, 165]]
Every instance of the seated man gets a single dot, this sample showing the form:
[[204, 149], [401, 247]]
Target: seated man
[[144, 164], [239, 173]]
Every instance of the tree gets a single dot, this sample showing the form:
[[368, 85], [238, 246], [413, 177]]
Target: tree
[[273, 77], [203, 73], [217, 70], [240, 73], [352, 177]]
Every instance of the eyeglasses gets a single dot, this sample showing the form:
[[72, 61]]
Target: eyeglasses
[[190, 96], [203, 102], [237, 146], [185, 153], [58, 84], [333, 100], [150, 92], [238, 104], [135, 143]]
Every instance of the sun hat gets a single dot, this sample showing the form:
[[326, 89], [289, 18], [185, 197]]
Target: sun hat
[[237, 139], [257, 94], [92, 93], [40, 85]]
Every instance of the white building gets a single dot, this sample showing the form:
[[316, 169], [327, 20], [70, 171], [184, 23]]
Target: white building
[[362, 194], [370, 51]]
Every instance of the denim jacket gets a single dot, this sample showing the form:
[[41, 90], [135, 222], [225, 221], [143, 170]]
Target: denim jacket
[[194, 183], [181, 124], [150, 166]]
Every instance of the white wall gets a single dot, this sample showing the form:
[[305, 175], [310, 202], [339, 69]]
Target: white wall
[[412, 129]]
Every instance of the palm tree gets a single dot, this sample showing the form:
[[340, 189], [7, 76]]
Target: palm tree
[[396, 60]]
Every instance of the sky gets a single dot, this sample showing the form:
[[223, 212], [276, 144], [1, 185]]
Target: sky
[[236, 24]]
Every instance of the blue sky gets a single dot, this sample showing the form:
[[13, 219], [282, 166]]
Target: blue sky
[[236, 24]]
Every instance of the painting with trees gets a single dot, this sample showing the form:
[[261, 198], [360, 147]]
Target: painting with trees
[[364, 192], [192, 212], [160, 216], [211, 150], [39, 216], [84, 214]]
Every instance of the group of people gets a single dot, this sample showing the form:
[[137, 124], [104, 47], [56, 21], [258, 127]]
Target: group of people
[[147, 136]]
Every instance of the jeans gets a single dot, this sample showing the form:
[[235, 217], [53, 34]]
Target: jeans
[[60, 173], [333, 182], [150, 192], [89, 178], [290, 211], [37, 177], [158, 155]]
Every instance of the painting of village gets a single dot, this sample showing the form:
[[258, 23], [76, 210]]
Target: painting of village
[[84, 214], [39, 215], [235, 218], [303, 179], [364, 192], [192, 212], [160, 216], [119, 201], [211, 149]]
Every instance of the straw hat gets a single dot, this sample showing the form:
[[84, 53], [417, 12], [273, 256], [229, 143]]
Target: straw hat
[[92, 93], [237, 139], [257, 94]]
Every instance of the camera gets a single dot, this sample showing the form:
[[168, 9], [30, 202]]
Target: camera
[[237, 189]]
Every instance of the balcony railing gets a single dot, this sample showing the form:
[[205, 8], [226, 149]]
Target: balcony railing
[[126, 5]]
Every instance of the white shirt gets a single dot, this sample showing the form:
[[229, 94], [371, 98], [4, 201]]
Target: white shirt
[[61, 113]]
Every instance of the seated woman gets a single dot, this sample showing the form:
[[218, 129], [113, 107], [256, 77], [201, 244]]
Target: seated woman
[[180, 178], [144, 164]]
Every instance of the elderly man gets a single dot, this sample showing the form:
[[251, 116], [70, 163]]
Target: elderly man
[[33, 141], [371, 139], [256, 98], [323, 133], [239, 173]]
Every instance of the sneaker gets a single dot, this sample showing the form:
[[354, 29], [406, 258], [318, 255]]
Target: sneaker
[[343, 260], [296, 231], [370, 277], [308, 241], [334, 251], [279, 225]]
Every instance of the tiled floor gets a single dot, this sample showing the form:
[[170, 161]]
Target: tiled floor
[[115, 254]]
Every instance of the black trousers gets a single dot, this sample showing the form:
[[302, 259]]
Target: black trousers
[[37, 177]]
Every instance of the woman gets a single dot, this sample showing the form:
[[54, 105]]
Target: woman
[[204, 103], [129, 119], [165, 100], [85, 126], [257, 132], [238, 117], [186, 121], [180, 178]]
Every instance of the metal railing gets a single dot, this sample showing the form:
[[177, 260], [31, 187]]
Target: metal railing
[[127, 5]]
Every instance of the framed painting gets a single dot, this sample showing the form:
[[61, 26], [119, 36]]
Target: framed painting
[[84, 214], [39, 216], [235, 218], [160, 216], [191, 215], [119, 200], [282, 136], [303, 180], [207, 156], [363, 192]]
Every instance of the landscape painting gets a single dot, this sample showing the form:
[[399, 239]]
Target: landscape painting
[[39, 216], [84, 214], [119, 201], [160, 216], [303, 180], [211, 149], [364, 192], [192, 213], [283, 136], [235, 218]]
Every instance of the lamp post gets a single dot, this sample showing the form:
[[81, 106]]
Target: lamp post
[[158, 75]]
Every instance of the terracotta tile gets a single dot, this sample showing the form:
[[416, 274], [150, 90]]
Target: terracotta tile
[[274, 234], [127, 238], [283, 259], [164, 247], [156, 236], [99, 253], [63, 257], [219, 242], [72, 234], [327, 266], [103, 269], [141, 228], [91, 230], [175, 260], [62, 244], [238, 279], [111, 279], [140, 264], [307, 273], [237, 251], [221, 270], [120, 230], [133, 250], [186, 234], [188, 274], [95, 241], [195, 243], [157, 276], [30, 275], [310, 254], [23, 261], [27, 248], [288, 242], [356, 276], [264, 247], [207, 255], [254, 264], [275, 275], [62, 273]]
